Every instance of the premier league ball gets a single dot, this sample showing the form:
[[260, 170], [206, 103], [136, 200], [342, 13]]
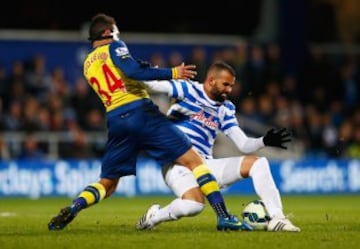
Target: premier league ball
[[255, 214]]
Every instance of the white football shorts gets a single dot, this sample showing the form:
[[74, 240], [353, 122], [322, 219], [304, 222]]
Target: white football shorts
[[180, 179]]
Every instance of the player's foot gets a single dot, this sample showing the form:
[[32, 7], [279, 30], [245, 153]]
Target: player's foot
[[232, 223], [65, 216], [283, 224], [145, 223]]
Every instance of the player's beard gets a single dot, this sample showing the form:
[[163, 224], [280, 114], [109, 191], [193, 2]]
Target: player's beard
[[221, 97]]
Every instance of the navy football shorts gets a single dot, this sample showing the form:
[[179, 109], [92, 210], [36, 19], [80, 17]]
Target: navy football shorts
[[140, 127]]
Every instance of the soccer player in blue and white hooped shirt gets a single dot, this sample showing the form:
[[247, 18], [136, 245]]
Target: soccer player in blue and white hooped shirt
[[201, 111]]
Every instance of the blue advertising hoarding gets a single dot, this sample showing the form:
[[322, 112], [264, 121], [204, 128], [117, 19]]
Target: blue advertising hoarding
[[35, 179]]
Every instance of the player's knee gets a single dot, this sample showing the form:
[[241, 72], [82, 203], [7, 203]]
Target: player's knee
[[264, 162], [260, 167], [190, 159], [109, 185], [246, 165]]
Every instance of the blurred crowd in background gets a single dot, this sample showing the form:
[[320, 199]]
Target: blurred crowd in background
[[320, 105], [319, 101]]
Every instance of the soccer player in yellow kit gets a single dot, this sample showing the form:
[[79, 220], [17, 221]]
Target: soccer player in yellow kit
[[136, 125]]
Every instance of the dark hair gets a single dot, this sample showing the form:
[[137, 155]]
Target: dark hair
[[221, 65], [99, 23]]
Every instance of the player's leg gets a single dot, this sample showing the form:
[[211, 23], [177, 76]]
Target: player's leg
[[205, 179], [119, 160], [113, 168], [189, 202], [92, 194], [167, 143], [236, 168], [259, 170], [105, 187], [175, 210], [232, 169], [210, 188], [95, 193]]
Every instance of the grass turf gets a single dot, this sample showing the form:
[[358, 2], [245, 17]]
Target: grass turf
[[326, 222]]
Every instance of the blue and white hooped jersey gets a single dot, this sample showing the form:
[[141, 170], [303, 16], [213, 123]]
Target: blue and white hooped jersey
[[198, 116]]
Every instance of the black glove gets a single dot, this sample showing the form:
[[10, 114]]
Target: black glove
[[143, 63], [277, 137]]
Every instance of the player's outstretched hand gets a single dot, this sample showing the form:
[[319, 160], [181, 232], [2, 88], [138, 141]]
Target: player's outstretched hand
[[184, 71], [277, 138]]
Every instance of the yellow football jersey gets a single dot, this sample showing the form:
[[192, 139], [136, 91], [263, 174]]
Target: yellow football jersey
[[109, 82]]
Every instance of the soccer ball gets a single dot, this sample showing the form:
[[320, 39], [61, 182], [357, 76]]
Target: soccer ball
[[255, 214]]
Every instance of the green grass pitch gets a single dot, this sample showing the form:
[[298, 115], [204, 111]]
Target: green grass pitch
[[327, 221]]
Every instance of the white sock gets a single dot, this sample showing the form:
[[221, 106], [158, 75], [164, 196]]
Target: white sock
[[265, 187], [176, 209]]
